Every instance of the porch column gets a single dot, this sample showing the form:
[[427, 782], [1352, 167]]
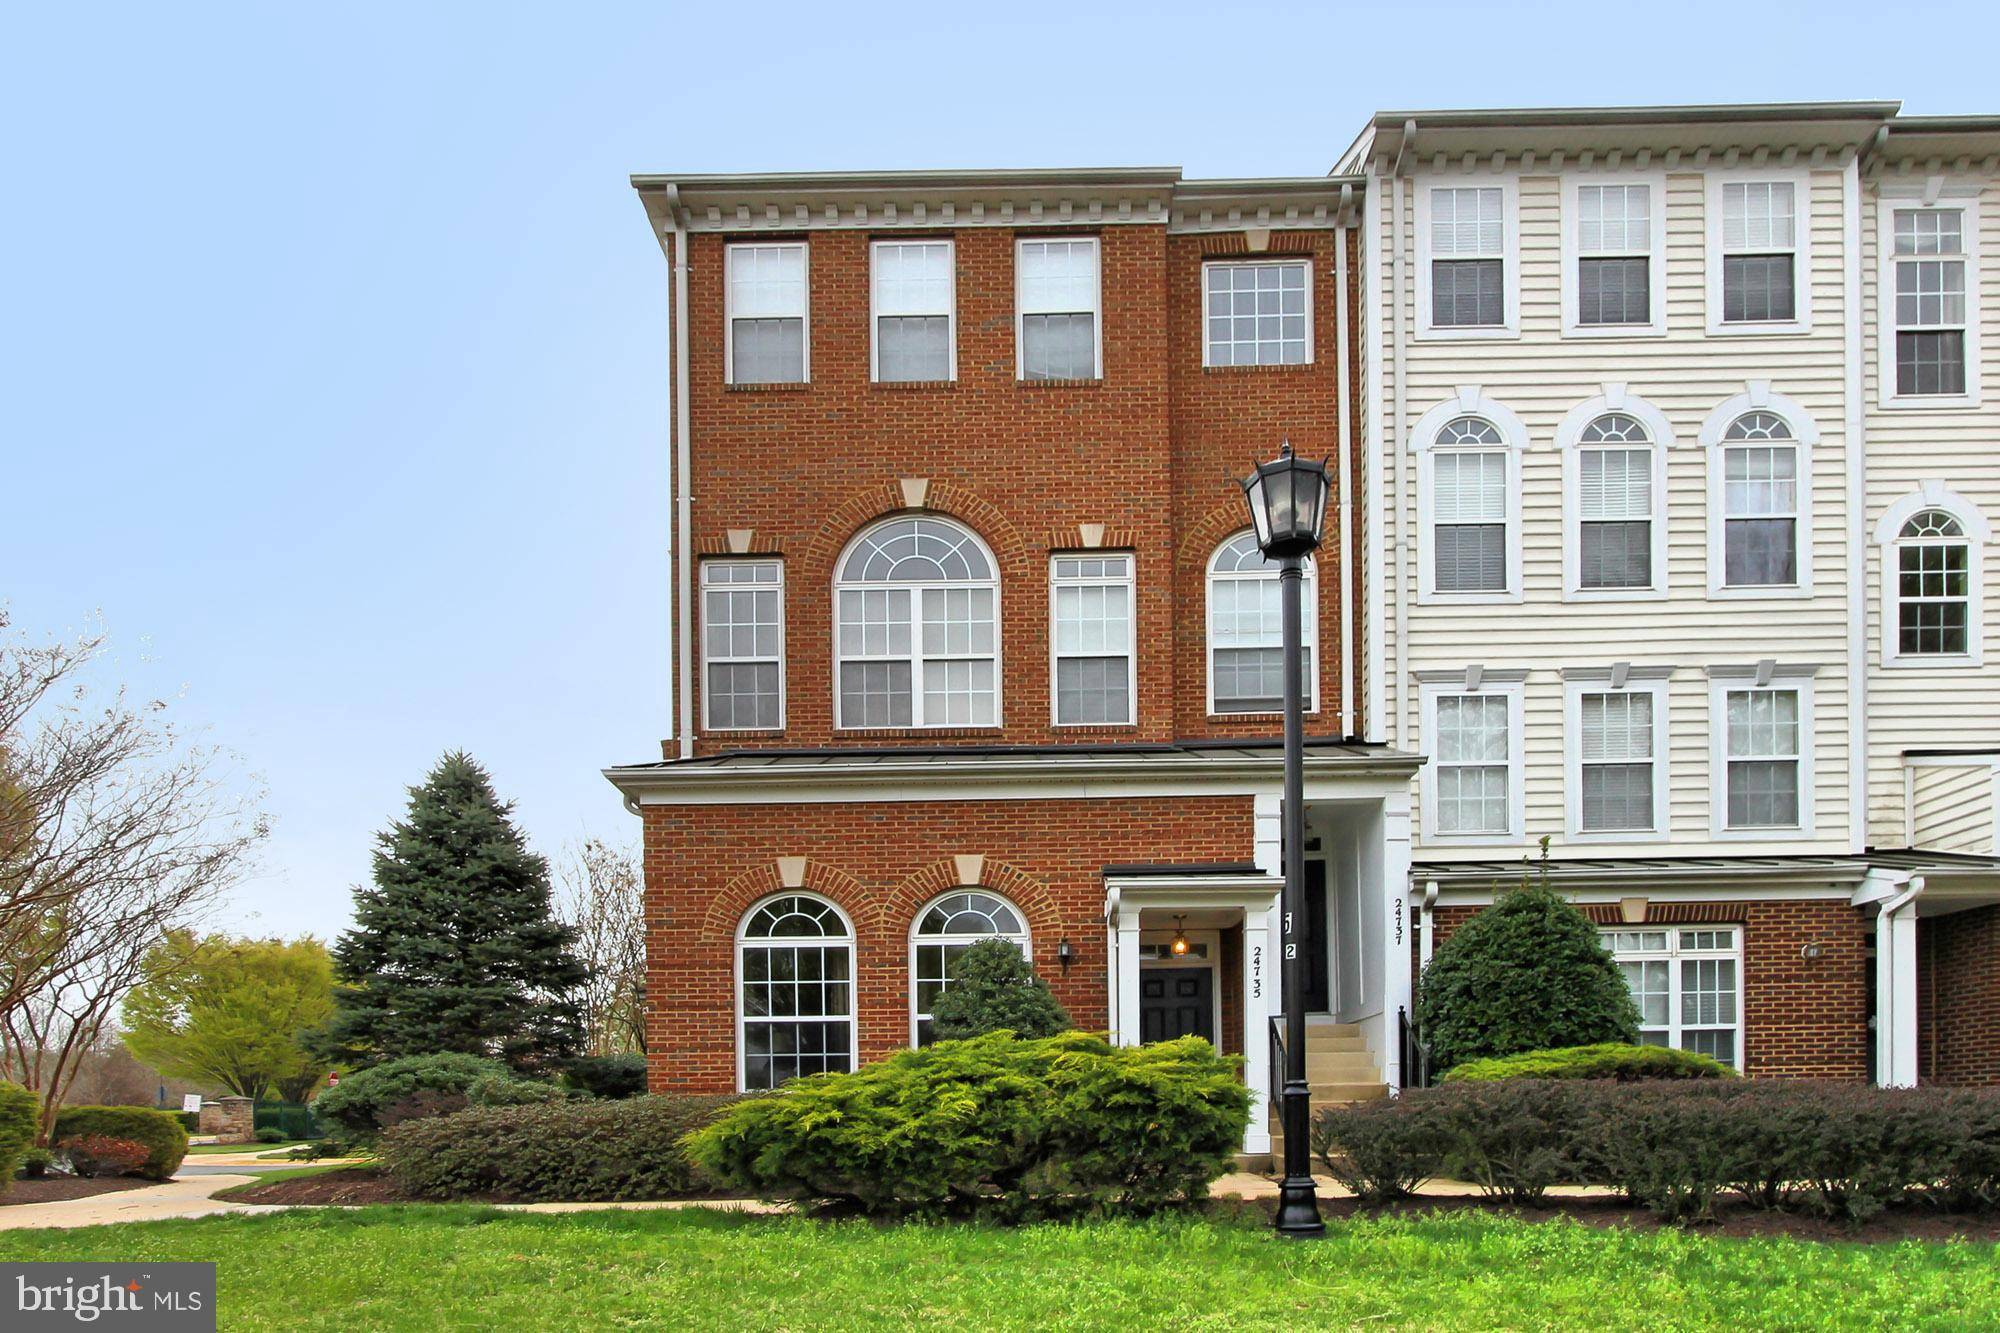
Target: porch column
[[1127, 963], [1398, 991], [1257, 974]]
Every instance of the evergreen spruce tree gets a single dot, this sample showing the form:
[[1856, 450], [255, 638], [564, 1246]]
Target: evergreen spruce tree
[[994, 987], [454, 947]]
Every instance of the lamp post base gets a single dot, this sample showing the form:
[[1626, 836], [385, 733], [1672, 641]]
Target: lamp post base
[[1298, 1209]]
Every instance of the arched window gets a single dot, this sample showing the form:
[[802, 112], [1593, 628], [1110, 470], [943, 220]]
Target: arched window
[[1469, 507], [1933, 587], [1760, 503], [795, 958], [1615, 499], [944, 931], [916, 606], [1246, 654]]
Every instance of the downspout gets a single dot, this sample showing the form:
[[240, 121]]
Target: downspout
[[1427, 928], [1406, 553], [1344, 396], [681, 543], [1857, 515], [1373, 566]]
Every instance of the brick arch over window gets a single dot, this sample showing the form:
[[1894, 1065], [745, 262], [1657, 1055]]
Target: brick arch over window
[[898, 908], [943, 498], [726, 910]]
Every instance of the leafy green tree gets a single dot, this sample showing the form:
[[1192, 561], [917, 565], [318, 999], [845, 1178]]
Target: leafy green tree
[[1527, 974], [994, 987], [454, 947], [232, 1011]]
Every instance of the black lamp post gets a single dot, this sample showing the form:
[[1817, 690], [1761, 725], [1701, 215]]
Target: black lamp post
[[1287, 498]]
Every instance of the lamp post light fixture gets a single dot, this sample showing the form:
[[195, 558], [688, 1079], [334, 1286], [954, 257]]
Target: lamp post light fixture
[[1287, 499]]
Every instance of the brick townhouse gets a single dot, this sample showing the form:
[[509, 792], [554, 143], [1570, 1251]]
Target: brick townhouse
[[970, 639]]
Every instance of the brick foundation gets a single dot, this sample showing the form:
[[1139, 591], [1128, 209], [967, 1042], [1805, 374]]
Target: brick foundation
[[1958, 998]]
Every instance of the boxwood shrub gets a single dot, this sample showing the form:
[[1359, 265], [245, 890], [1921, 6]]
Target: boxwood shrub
[[591, 1150], [166, 1142], [1011, 1127], [1607, 1060], [20, 1119]]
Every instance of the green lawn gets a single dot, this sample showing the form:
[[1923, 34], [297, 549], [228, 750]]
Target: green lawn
[[451, 1267], [206, 1149]]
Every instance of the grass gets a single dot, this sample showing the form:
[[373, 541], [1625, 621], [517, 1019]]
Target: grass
[[458, 1266], [262, 1175], [206, 1149]]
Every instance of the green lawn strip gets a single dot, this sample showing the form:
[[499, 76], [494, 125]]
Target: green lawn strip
[[205, 1149], [420, 1267], [265, 1174]]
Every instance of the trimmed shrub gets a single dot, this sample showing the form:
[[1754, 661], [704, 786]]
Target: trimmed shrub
[[93, 1155], [20, 1121], [270, 1134], [1605, 1060], [1673, 1146], [607, 1076], [1527, 974], [160, 1131], [1382, 1149], [505, 1090], [1513, 1138], [994, 989], [35, 1163], [554, 1151], [190, 1120], [362, 1104], [1019, 1128]]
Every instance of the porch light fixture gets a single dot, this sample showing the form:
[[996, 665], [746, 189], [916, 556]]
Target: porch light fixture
[[1065, 952], [1287, 499], [1179, 947]]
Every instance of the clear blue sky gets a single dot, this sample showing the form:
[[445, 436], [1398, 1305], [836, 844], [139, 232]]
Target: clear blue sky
[[332, 341]]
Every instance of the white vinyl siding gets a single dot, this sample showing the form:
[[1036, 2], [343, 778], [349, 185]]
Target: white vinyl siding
[[1091, 609], [915, 334], [1688, 984], [766, 310], [1057, 331], [743, 644]]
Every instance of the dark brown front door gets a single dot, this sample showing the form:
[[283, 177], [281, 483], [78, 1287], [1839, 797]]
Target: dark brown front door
[[1176, 1002]]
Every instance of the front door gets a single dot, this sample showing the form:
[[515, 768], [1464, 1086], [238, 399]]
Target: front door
[[1176, 1002], [1312, 946]]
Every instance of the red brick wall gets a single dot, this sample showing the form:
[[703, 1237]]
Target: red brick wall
[[1958, 997], [1802, 1018], [1152, 451], [880, 862]]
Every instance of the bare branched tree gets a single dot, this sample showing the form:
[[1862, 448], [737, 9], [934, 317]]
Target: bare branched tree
[[598, 893]]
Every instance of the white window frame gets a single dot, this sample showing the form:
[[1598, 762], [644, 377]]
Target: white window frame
[[1130, 583], [1509, 184], [1888, 540], [1097, 310], [1025, 940], [1932, 198], [950, 311], [1308, 627], [729, 252], [1469, 402], [1514, 692], [1304, 261], [707, 646], [1758, 397], [1569, 436], [1655, 254], [1575, 686], [1673, 956], [743, 943], [1800, 180], [917, 657], [1721, 682]]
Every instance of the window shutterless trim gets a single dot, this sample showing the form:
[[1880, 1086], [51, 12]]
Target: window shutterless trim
[[1428, 694], [1673, 956], [1025, 939], [1573, 692], [1569, 436], [1719, 689], [1096, 311], [1800, 179], [1309, 628], [1889, 540], [1896, 199], [729, 315], [1758, 397], [1130, 583], [1469, 402], [950, 311], [1509, 255], [1303, 261], [744, 942], [1655, 254], [708, 658]]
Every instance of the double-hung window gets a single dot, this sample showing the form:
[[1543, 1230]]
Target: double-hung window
[[917, 628], [1468, 257], [795, 962], [1759, 251], [1760, 502], [765, 295], [1246, 655], [1619, 740], [1615, 230], [1474, 768], [1469, 489], [743, 644], [1056, 332], [1615, 500], [1687, 982], [913, 311], [1930, 302], [1763, 741], [1933, 588], [1258, 313], [1091, 606]]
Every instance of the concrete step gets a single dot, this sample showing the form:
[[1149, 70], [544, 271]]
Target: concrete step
[[1318, 1026], [1341, 1067], [1315, 1043]]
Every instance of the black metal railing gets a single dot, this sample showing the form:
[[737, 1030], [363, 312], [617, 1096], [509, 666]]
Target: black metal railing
[[1416, 1055], [1277, 1088]]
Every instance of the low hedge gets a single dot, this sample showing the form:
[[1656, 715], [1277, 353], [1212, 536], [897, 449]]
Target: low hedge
[[20, 1119], [595, 1150], [1011, 1127], [1606, 1060], [608, 1076], [359, 1107], [1843, 1151], [166, 1141]]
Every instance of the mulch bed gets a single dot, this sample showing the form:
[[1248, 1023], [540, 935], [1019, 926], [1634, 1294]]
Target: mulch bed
[[1907, 1222], [358, 1185], [50, 1189]]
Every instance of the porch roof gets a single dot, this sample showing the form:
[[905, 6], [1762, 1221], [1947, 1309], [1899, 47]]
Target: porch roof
[[1638, 872]]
